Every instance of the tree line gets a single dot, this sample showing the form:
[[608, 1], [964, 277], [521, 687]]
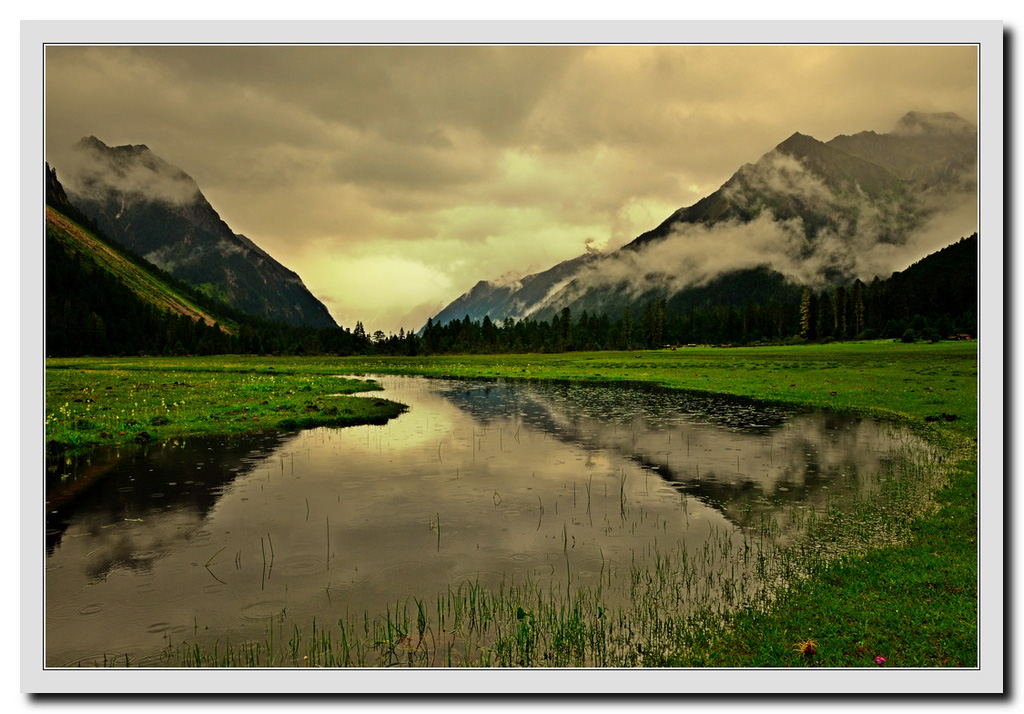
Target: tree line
[[936, 298]]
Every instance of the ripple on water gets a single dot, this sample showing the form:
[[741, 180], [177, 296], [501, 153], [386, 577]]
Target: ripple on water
[[156, 659], [483, 576], [158, 627], [262, 609], [302, 565], [511, 512], [155, 600], [590, 567], [144, 555], [91, 608], [342, 587]]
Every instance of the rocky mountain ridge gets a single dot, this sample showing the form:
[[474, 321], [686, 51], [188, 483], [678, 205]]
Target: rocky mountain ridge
[[158, 211], [808, 212]]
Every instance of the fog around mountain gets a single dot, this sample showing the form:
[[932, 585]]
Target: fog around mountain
[[817, 213]]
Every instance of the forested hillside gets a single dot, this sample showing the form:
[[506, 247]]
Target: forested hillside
[[101, 299], [936, 298]]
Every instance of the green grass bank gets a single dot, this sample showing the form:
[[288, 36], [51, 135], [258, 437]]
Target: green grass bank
[[93, 403]]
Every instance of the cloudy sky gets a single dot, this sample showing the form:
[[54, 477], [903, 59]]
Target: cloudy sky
[[392, 179]]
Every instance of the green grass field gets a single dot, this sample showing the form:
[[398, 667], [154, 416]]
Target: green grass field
[[913, 603]]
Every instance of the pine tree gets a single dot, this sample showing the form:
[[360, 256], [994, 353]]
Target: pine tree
[[660, 329], [826, 316], [626, 330], [842, 320], [857, 304], [566, 332], [647, 326], [808, 315], [877, 313]]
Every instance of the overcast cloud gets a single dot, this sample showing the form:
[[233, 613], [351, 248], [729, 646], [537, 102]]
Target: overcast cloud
[[392, 179]]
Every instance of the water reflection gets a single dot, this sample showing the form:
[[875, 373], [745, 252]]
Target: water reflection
[[738, 456], [125, 484], [479, 481]]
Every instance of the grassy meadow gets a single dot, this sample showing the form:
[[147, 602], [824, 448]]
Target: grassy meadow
[[92, 403], [904, 601]]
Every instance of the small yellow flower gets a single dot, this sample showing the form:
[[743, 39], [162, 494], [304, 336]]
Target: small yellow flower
[[807, 648]]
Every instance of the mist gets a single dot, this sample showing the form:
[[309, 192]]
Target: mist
[[862, 238], [88, 173]]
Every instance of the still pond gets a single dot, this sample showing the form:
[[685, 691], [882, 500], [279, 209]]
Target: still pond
[[213, 541]]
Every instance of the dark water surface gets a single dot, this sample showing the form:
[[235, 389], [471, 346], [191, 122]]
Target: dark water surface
[[207, 540]]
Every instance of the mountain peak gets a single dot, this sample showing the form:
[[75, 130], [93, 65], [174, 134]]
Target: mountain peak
[[126, 152], [157, 210], [800, 145], [91, 142], [932, 123]]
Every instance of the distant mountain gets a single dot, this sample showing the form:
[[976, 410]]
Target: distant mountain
[[929, 150], [807, 212], [157, 210], [512, 297]]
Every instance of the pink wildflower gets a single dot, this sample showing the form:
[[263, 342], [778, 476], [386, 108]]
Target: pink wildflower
[[879, 661]]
